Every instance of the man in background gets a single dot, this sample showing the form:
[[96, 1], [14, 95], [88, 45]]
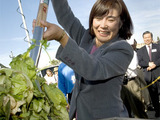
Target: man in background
[[149, 60]]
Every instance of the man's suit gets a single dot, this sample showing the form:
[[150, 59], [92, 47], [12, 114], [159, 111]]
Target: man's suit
[[143, 59]]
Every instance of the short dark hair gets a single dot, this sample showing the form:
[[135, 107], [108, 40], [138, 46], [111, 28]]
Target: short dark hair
[[147, 32], [101, 7]]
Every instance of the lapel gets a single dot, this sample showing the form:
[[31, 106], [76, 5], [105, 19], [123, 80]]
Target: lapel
[[154, 54], [104, 46], [87, 42]]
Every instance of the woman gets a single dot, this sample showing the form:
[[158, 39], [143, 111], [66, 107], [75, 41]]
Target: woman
[[99, 56], [50, 77]]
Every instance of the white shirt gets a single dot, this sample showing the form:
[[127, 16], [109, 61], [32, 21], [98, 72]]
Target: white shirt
[[51, 80], [131, 71]]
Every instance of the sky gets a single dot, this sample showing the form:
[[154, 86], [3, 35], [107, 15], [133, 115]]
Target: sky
[[145, 15]]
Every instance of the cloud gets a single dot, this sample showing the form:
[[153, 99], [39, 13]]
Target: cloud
[[13, 39], [145, 19], [149, 14], [5, 59]]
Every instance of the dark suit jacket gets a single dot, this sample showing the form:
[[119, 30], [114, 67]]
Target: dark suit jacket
[[143, 59]]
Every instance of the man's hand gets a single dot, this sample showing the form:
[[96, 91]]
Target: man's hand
[[151, 66]]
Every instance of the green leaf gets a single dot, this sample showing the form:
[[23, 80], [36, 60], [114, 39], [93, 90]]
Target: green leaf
[[18, 105], [46, 107], [25, 65], [2, 79], [35, 116], [2, 112], [7, 110], [33, 40], [19, 84], [2, 89], [24, 115], [6, 71], [45, 43], [58, 99], [44, 115], [29, 97], [38, 104]]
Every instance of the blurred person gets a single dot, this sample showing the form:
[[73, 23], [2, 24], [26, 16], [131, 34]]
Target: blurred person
[[145, 97], [149, 60], [131, 93], [66, 81], [99, 56], [50, 77], [55, 70]]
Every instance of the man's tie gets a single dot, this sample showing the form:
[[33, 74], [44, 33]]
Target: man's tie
[[150, 57]]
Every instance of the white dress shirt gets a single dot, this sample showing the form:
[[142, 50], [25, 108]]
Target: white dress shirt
[[131, 71]]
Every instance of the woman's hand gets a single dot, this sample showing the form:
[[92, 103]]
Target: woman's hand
[[53, 32]]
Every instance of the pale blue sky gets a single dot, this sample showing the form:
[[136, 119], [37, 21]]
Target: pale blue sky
[[145, 15]]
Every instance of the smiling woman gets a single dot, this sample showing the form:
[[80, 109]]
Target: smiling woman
[[99, 50]]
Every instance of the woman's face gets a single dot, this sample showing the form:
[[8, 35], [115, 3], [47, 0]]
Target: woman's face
[[49, 74], [106, 27]]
